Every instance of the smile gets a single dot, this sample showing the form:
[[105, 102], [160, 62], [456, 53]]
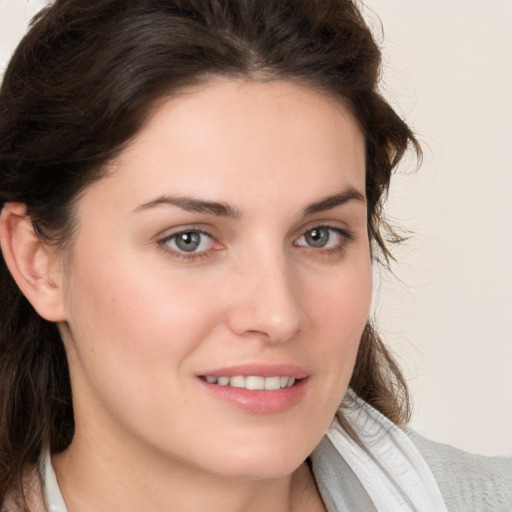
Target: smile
[[252, 382]]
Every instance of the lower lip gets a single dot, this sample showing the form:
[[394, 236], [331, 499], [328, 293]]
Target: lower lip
[[261, 401]]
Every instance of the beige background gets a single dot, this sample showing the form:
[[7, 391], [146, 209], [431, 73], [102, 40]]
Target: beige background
[[447, 313]]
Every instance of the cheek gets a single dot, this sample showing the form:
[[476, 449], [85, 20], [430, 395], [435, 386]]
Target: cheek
[[342, 303], [131, 327], [138, 313], [132, 333], [339, 312]]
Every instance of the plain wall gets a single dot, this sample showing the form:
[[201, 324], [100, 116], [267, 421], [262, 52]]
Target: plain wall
[[449, 67], [446, 314]]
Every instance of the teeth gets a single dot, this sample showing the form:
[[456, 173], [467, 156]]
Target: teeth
[[237, 382], [253, 382], [272, 383]]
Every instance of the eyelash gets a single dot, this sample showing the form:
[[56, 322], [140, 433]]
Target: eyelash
[[345, 235], [164, 243]]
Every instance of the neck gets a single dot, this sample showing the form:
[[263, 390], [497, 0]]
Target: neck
[[91, 479]]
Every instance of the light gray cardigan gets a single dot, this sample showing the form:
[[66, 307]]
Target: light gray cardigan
[[468, 483]]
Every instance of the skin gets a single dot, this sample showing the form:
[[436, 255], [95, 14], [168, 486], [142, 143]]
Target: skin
[[141, 320]]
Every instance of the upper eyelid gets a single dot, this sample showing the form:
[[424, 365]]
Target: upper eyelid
[[341, 229], [168, 233], [333, 221], [186, 230]]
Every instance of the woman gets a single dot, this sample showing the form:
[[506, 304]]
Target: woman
[[192, 200]]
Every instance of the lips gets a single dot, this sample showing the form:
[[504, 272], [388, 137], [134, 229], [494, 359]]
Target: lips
[[259, 389], [258, 369]]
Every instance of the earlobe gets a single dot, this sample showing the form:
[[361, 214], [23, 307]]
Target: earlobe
[[31, 262]]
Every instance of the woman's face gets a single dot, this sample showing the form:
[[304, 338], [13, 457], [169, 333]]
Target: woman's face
[[227, 247]]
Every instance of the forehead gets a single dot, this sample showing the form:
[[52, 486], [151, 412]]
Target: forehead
[[230, 138]]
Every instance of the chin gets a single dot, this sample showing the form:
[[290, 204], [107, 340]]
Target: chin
[[258, 462], [258, 470]]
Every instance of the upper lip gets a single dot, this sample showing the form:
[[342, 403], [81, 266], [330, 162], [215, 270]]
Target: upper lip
[[258, 369]]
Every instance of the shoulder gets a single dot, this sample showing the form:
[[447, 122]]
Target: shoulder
[[468, 482]]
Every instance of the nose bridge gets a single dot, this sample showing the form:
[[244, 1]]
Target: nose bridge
[[267, 302]]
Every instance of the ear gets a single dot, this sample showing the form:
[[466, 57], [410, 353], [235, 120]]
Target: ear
[[32, 263]]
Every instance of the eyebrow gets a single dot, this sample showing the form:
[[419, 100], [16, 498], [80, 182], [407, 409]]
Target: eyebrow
[[330, 202], [190, 204], [220, 209]]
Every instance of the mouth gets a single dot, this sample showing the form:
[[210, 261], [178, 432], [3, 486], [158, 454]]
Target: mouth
[[252, 382], [258, 388]]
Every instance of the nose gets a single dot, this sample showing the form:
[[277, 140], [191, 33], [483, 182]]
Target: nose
[[266, 301]]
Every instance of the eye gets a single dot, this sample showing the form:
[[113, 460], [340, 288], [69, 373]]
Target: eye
[[324, 237], [192, 241]]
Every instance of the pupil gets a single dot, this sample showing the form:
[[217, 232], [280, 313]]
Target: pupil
[[188, 241], [318, 237]]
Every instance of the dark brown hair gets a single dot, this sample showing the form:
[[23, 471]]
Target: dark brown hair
[[80, 86]]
